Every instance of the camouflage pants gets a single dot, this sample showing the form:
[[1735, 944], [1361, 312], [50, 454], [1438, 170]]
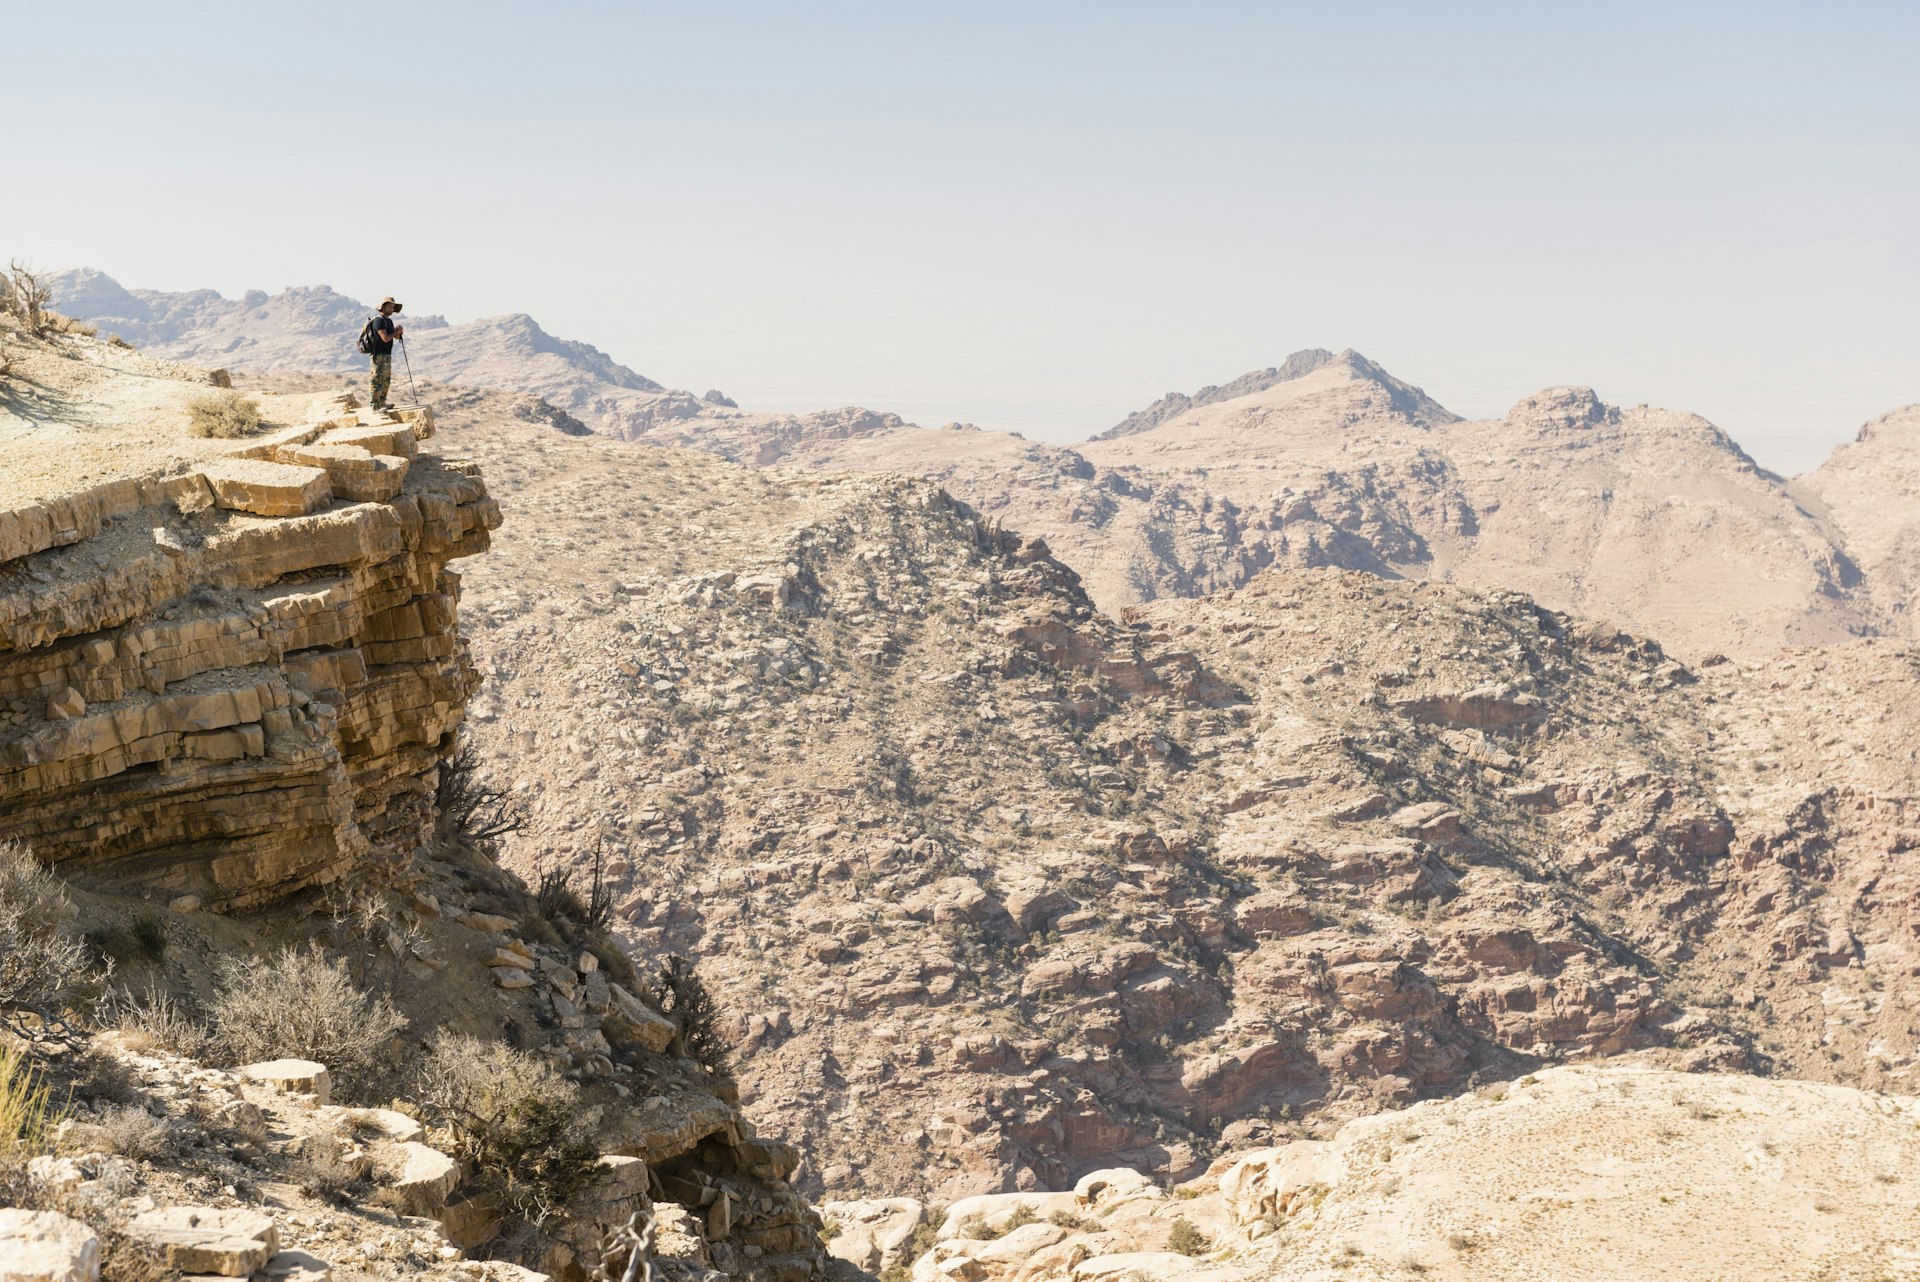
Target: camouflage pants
[[382, 377]]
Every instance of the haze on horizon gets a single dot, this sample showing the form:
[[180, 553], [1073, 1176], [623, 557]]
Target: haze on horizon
[[1036, 218]]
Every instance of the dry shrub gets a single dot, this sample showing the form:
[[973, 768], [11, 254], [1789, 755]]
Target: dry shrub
[[162, 1018], [44, 967], [679, 992], [470, 807], [26, 1106], [513, 1120], [133, 1132], [224, 415], [297, 1004], [24, 297], [59, 324]]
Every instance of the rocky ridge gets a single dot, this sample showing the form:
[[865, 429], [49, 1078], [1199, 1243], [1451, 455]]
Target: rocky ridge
[[232, 673], [232, 681], [1046, 892], [1575, 1173], [1651, 518]]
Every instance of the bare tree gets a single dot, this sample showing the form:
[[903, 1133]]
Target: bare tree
[[24, 297], [470, 808]]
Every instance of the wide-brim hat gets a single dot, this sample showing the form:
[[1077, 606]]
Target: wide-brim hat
[[388, 302]]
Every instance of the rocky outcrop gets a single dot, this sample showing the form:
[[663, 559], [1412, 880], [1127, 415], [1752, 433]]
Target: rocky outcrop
[[222, 684]]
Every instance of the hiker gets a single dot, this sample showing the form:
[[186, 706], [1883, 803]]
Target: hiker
[[376, 340]]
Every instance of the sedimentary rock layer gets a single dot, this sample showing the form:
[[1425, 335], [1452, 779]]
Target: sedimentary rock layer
[[236, 681]]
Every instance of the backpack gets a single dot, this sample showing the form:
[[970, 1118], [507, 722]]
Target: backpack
[[366, 337]]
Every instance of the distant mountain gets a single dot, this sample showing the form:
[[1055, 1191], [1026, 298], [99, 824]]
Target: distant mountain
[[1412, 401], [1653, 519], [314, 328], [1869, 494]]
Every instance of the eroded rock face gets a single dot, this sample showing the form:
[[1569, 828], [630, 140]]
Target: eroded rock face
[[234, 682]]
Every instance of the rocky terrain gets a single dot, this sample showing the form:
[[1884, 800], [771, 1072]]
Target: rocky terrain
[[1047, 892], [231, 676], [1653, 519], [1571, 1173], [998, 891]]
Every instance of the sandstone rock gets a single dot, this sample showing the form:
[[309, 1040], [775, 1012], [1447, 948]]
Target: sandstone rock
[[203, 1240], [633, 1019], [1148, 1264], [184, 662], [294, 1076], [394, 1126], [872, 1232], [470, 1222], [424, 1179], [244, 1118], [489, 923], [41, 1246], [512, 977], [268, 489]]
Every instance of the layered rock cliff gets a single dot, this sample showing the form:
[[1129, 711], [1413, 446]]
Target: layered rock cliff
[[236, 679]]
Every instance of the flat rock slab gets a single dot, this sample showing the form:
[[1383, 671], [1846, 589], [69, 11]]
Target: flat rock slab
[[1149, 1264], [395, 439], [267, 489], [41, 1246], [356, 473], [294, 1076], [395, 1126], [199, 1239]]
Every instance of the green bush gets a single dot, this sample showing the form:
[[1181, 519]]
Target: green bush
[[150, 934], [1184, 1239], [223, 414]]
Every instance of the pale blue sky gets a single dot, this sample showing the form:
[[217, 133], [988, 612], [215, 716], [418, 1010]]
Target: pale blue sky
[[1035, 216]]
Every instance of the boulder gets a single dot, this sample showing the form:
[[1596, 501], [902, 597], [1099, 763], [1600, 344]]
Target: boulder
[[199, 1239], [1145, 1264], [633, 1020], [425, 1178], [293, 1076], [40, 1246], [268, 489]]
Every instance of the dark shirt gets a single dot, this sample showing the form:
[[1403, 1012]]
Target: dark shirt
[[381, 340]]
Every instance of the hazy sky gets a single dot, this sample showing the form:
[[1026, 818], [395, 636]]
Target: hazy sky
[[1036, 216]]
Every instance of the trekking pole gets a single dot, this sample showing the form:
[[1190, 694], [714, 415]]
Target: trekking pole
[[408, 360]]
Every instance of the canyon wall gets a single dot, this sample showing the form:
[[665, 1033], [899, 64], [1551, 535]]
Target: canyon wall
[[228, 681]]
